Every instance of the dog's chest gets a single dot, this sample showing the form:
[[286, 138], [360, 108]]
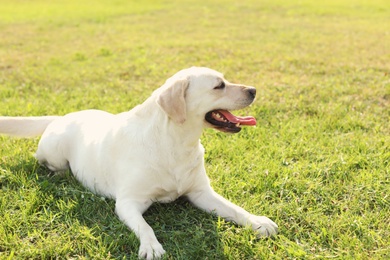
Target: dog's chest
[[179, 178], [171, 189]]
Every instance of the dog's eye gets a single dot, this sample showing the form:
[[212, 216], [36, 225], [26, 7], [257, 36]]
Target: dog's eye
[[220, 86]]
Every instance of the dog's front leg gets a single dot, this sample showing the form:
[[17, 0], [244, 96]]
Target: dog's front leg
[[130, 212], [208, 200]]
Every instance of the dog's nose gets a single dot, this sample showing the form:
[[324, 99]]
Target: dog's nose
[[252, 92]]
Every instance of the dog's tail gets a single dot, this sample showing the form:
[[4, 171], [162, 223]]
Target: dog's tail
[[25, 126]]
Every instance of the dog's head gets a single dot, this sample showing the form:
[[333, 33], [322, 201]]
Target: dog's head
[[202, 93]]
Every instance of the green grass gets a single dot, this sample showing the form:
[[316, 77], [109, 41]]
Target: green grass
[[317, 163]]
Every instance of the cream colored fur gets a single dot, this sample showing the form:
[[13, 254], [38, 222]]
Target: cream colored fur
[[150, 153]]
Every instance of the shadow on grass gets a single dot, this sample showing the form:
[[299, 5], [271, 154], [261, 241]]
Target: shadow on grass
[[89, 225]]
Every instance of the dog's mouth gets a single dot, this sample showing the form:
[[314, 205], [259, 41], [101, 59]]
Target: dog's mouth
[[225, 121]]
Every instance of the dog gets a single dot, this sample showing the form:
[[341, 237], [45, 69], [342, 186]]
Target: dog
[[151, 153]]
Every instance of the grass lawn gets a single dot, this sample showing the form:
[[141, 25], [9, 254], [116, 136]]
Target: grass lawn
[[318, 162]]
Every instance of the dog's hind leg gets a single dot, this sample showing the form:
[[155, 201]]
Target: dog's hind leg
[[58, 165], [54, 167], [50, 153]]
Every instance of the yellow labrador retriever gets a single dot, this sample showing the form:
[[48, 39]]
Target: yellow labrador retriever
[[150, 153]]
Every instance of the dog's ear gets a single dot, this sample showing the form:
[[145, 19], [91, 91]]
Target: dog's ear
[[172, 100]]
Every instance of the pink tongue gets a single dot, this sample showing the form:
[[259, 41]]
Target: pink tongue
[[243, 120]]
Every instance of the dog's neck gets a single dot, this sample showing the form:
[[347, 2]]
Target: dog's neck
[[164, 128], [190, 131]]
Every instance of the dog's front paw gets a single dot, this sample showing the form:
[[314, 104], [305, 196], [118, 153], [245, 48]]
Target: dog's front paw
[[151, 251], [263, 226]]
